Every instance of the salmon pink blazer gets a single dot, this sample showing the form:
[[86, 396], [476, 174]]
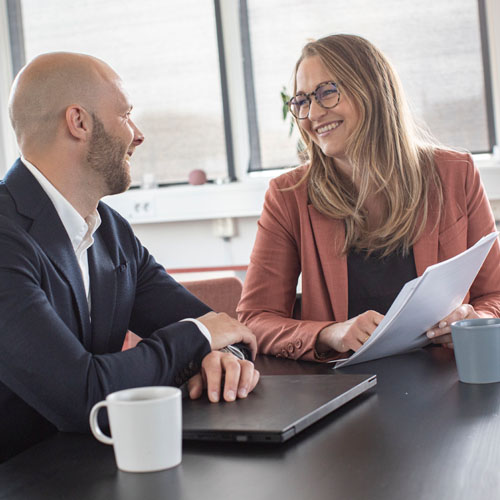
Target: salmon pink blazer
[[294, 238]]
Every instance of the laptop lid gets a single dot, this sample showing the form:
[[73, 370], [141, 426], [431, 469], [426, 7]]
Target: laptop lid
[[279, 407]]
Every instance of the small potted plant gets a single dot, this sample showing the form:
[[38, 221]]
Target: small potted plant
[[301, 148]]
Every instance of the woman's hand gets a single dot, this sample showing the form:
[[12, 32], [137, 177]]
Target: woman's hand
[[349, 335], [441, 332]]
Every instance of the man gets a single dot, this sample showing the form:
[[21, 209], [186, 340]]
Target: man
[[73, 277]]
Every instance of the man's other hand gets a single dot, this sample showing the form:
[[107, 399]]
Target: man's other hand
[[239, 376], [226, 331]]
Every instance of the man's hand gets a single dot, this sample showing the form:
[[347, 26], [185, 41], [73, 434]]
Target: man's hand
[[350, 334], [240, 377], [226, 331], [441, 332]]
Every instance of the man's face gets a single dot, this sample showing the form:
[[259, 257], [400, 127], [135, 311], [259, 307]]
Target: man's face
[[113, 140], [108, 156]]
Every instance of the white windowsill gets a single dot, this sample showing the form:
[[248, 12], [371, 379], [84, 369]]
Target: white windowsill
[[188, 203], [234, 200]]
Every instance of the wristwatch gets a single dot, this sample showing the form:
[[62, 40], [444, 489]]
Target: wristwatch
[[233, 350]]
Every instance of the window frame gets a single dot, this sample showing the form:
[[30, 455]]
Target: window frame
[[488, 83]]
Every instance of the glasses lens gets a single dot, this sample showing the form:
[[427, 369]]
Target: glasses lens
[[299, 106], [328, 95]]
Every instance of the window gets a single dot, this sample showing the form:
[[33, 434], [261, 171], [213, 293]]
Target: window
[[167, 54], [440, 64], [170, 55]]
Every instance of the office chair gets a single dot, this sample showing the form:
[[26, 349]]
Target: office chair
[[220, 294]]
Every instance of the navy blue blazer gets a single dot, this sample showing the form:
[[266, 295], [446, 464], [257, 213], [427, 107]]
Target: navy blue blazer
[[55, 360]]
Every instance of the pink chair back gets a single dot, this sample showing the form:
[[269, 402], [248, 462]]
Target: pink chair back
[[220, 294]]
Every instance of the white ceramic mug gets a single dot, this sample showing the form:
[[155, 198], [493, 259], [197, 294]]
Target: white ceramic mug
[[146, 427]]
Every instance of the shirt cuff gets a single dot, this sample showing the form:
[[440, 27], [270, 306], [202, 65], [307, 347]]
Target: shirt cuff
[[203, 329]]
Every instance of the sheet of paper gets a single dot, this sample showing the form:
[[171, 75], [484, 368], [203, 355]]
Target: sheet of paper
[[422, 303]]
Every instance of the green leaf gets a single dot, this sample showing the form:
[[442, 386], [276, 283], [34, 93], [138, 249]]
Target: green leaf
[[285, 98], [285, 109]]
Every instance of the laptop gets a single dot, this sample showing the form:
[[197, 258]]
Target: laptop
[[280, 407]]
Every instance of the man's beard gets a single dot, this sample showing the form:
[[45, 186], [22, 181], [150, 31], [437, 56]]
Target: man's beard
[[106, 156]]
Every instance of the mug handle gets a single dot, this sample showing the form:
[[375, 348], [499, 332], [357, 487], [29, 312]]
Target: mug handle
[[94, 426]]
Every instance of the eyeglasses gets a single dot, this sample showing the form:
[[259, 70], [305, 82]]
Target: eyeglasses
[[327, 95]]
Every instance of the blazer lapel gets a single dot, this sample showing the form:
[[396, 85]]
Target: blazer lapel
[[55, 243], [48, 231], [425, 249], [329, 235], [103, 285]]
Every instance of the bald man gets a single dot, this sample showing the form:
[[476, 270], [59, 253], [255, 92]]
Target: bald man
[[74, 278]]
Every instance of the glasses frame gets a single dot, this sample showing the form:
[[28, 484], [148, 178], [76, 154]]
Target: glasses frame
[[308, 97]]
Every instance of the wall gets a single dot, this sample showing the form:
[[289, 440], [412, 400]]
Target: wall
[[192, 243]]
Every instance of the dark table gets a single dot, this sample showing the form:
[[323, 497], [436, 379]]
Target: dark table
[[418, 434]]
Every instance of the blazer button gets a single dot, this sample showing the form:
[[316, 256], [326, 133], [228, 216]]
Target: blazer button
[[298, 344], [290, 348]]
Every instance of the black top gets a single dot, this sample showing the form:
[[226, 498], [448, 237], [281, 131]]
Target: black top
[[374, 282]]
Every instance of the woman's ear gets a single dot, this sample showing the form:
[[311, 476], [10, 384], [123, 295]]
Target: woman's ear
[[79, 122]]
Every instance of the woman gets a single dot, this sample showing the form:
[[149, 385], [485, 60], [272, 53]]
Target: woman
[[377, 203]]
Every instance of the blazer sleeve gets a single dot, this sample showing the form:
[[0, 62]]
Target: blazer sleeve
[[44, 363], [269, 290], [485, 290], [160, 300]]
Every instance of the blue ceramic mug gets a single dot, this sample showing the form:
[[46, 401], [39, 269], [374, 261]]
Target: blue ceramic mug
[[477, 349]]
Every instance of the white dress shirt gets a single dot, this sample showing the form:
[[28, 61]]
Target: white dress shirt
[[80, 230]]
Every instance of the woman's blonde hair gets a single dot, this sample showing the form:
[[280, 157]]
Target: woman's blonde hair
[[391, 156]]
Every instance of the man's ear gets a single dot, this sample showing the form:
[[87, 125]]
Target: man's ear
[[79, 122]]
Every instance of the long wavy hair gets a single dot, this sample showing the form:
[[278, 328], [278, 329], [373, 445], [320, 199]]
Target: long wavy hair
[[391, 156]]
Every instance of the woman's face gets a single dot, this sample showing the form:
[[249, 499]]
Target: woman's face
[[328, 128]]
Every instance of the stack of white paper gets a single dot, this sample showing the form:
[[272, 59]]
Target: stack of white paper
[[422, 303]]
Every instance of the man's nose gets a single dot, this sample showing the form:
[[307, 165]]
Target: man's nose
[[138, 135]]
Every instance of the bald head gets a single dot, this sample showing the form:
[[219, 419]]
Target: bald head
[[46, 86]]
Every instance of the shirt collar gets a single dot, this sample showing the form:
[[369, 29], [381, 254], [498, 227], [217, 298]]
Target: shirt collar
[[76, 226]]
